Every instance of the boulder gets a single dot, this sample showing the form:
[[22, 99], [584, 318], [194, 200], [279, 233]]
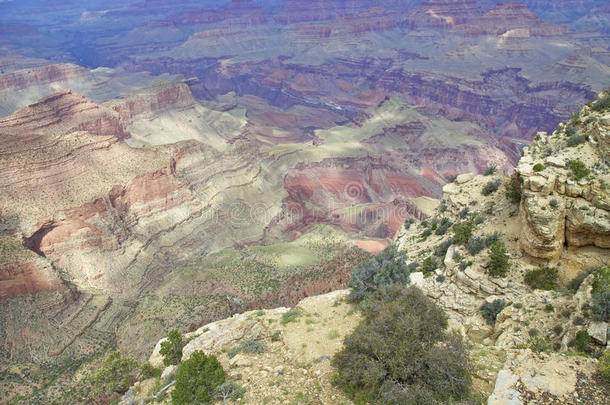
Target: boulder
[[599, 332]]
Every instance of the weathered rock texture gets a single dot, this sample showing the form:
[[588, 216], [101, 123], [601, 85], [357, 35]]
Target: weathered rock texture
[[558, 209], [528, 377]]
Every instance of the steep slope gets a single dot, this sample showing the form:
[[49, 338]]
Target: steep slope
[[449, 254]]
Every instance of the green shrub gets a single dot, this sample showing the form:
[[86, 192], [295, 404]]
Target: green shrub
[[171, 349], [491, 170], [382, 270], [441, 249], [475, 245], [443, 226], [276, 336], [604, 365], [581, 342], [490, 187], [575, 140], [558, 329], [451, 178], [429, 264], [292, 315], [575, 283], [401, 354], [490, 310], [539, 344], [229, 390], [197, 380], [148, 371], [464, 213], [513, 189], [115, 376], [538, 167], [601, 306], [498, 259], [543, 278], [602, 104], [554, 203], [601, 279], [250, 346], [579, 169], [462, 232]]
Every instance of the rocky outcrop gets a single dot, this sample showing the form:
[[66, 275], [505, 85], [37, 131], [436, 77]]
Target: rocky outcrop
[[153, 100], [63, 113], [299, 361], [55, 152], [27, 274], [528, 377], [21, 79], [558, 208]]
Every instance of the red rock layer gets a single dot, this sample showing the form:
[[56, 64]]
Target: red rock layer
[[25, 277], [61, 113], [175, 96], [356, 194], [41, 75]]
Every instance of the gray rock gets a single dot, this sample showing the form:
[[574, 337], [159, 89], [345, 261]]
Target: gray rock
[[599, 332]]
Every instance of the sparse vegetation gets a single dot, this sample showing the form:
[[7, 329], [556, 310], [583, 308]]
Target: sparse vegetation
[[292, 315], [498, 259], [382, 270], [513, 189], [491, 187], [171, 349], [429, 264], [249, 346], [229, 390], [490, 310], [443, 226], [401, 354], [554, 203], [543, 278], [601, 306], [490, 170], [197, 380], [602, 103], [575, 283], [441, 250], [148, 371], [538, 167], [581, 342], [575, 140], [463, 231], [538, 344], [115, 376], [604, 365], [579, 169]]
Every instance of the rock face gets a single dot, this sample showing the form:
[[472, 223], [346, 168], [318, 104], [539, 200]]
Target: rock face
[[54, 152], [443, 14], [153, 101], [509, 16], [558, 208]]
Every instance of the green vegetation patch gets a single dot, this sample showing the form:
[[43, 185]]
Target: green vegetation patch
[[543, 278], [401, 354]]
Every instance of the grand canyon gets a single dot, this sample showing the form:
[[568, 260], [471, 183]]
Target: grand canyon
[[169, 164]]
